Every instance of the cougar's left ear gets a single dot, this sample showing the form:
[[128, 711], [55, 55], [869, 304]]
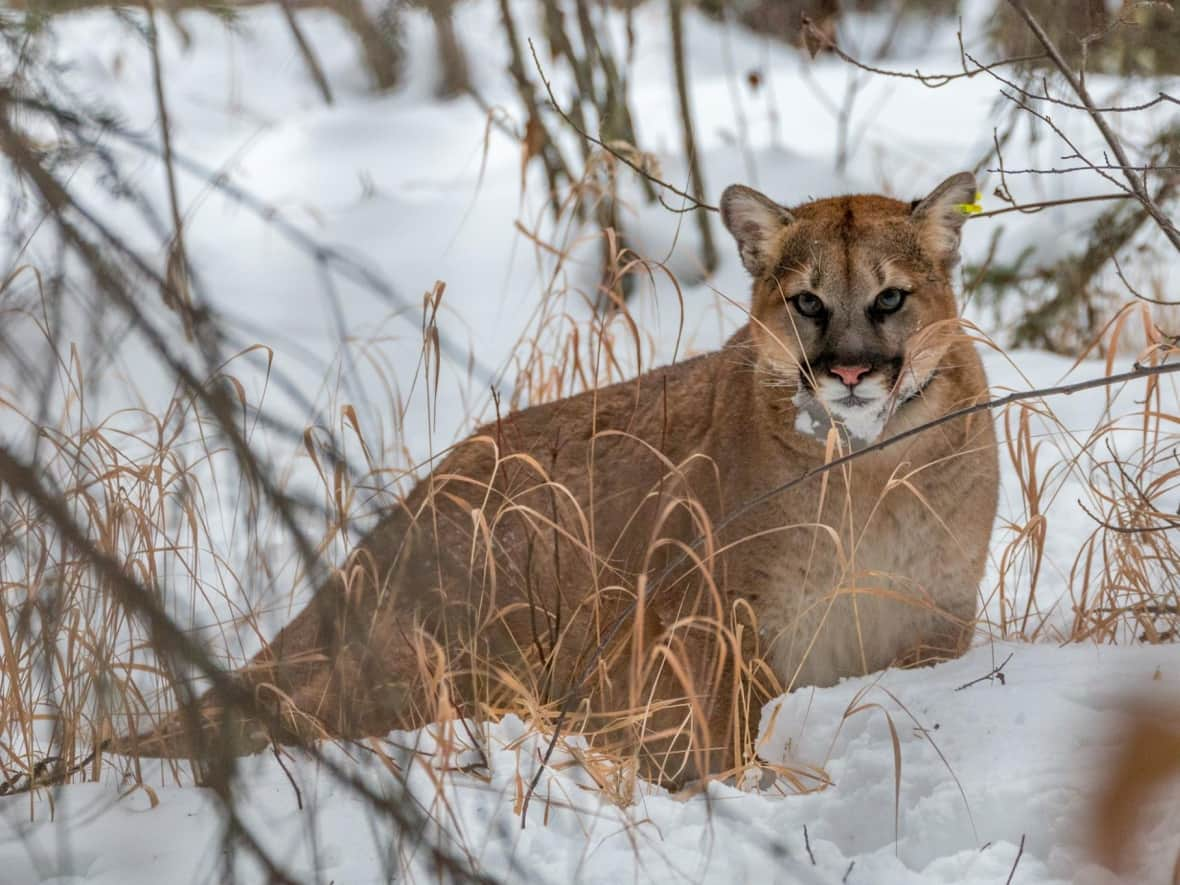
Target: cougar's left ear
[[755, 221], [940, 218]]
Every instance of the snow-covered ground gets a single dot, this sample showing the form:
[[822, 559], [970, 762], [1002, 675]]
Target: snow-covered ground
[[415, 191], [982, 769]]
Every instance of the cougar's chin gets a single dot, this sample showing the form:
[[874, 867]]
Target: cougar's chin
[[859, 414]]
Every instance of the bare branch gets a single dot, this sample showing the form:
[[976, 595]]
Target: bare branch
[[996, 672], [932, 81], [1160, 98], [324, 254], [1112, 140], [1118, 269], [178, 294], [306, 52], [626, 161], [692, 157], [1030, 208], [1089, 167]]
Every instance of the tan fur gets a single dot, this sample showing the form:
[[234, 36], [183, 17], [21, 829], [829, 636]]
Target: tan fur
[[592, 552]]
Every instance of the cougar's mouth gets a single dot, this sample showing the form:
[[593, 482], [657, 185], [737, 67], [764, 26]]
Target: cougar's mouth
[[861, 412], [859, 418], [852, 401]]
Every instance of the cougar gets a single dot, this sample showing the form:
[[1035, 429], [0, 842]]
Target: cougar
[[655, 559]]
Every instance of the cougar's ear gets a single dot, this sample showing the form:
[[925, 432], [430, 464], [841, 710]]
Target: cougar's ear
[[755, 221], [940, 216]]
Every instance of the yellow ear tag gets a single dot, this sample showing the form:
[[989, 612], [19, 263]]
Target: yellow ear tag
[[971, 208]]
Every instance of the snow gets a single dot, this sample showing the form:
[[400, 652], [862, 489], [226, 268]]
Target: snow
[[982, 768], [411, 191]]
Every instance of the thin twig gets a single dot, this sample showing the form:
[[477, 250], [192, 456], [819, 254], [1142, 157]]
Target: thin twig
[[692, 155], [933, 81], [1116, 146], [696, 204], [1168, 524], [995, 673], [42, 775], [178, 295], [551, 156], [1160, 98], [20, 477], [180, 648], [1118, 269], [346, 265], [1089, 167], [306, 52], [274, 746], [1016, 863], [936, 81], [1135, 373], [1031, 208]]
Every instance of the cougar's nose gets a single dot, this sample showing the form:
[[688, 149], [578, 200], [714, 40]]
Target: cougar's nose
[[850, 374]]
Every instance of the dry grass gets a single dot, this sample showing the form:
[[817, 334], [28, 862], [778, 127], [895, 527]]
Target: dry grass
[[150, 489], [148, 485], [1121, 574]]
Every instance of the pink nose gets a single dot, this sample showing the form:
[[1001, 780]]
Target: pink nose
[[850, 374]]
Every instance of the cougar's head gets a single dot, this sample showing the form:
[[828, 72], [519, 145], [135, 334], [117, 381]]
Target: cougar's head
[[853, 305]]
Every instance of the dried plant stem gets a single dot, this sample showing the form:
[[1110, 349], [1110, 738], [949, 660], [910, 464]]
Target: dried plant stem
[[178, 294], [708, 249], [21, 478], [305, 52], [622, 158]]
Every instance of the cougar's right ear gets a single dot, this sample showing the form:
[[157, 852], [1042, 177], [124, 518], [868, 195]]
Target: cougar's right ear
[[940, 215], [755, 221]]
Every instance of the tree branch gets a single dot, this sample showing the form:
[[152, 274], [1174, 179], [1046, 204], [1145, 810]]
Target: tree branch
[[622, 158], [1116, 146]]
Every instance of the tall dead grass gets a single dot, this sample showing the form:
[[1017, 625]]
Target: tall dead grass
[[1120, 570], [79, 669]]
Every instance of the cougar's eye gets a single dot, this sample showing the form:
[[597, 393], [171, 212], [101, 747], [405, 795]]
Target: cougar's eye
[[808, 304], [890, 300]]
